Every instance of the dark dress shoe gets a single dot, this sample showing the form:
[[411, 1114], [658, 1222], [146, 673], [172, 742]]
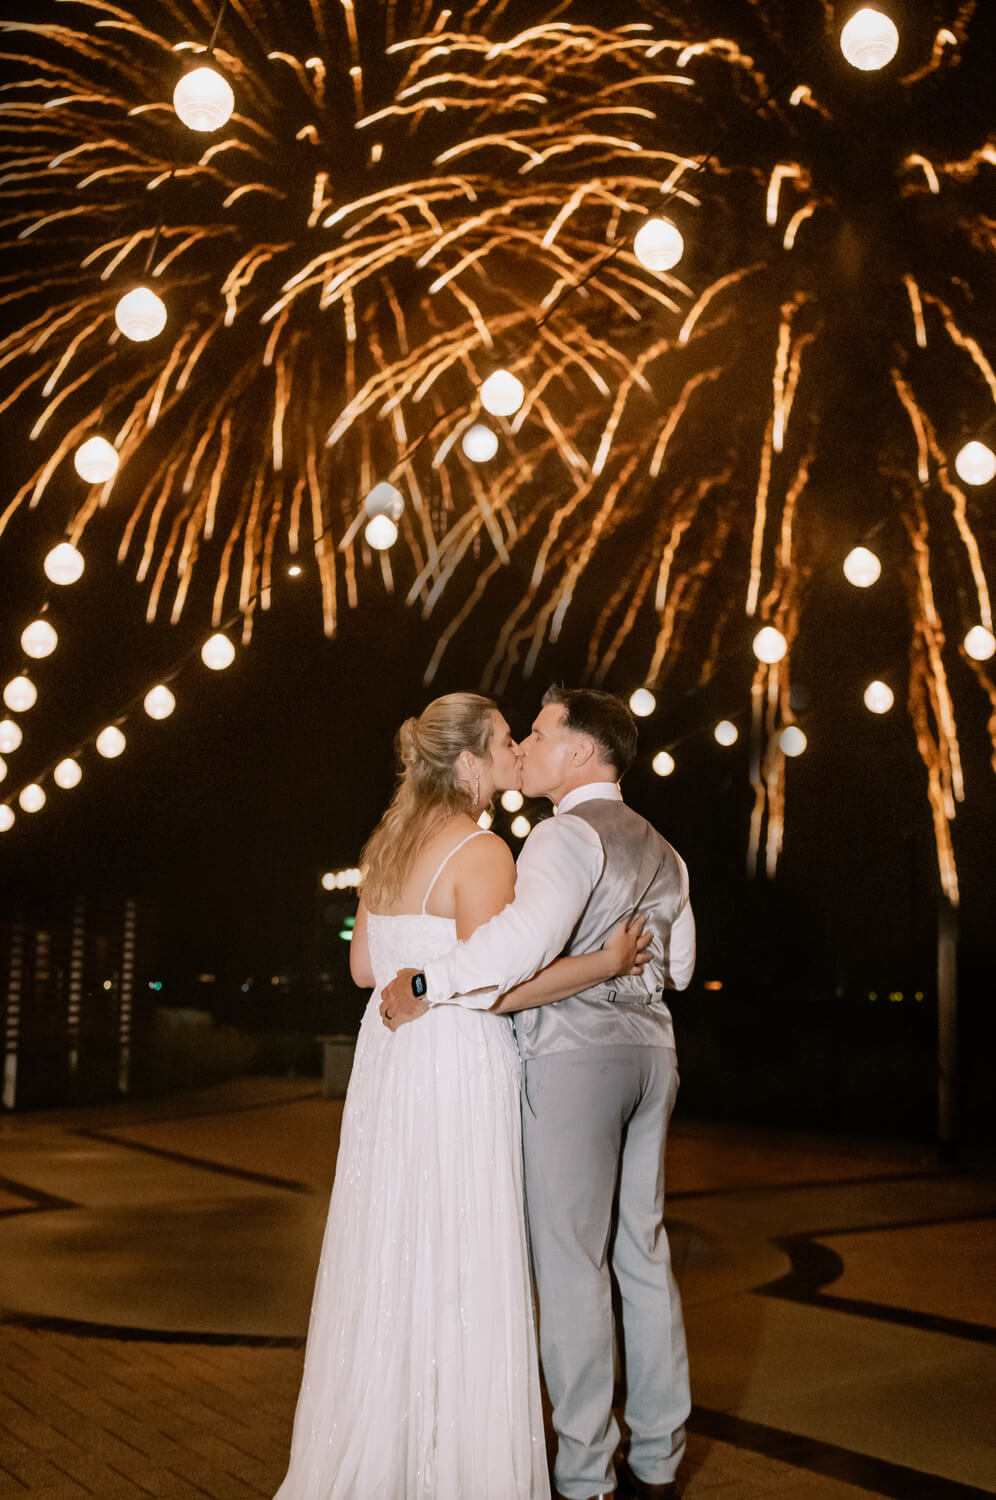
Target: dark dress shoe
[[635, 1488]]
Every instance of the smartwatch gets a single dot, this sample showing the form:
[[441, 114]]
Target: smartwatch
[[419, 986]]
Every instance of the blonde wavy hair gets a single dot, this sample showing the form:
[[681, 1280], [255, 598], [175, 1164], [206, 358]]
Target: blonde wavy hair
[[429, 791]]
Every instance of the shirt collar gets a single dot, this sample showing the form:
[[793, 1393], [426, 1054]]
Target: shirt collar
[[595, 791]]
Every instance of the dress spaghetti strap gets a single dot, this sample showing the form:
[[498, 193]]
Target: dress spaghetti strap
[[444, 862]]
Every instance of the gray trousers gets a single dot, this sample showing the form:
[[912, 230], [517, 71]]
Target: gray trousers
[[594, 1124]]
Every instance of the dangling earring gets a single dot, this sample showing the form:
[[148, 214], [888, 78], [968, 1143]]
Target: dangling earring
[[477, 791]]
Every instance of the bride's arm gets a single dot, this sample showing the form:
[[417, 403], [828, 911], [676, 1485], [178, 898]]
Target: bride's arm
[[624, 953], [359, 952]]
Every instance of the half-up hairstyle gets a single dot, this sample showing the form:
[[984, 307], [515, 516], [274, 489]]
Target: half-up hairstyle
[[429, 791]]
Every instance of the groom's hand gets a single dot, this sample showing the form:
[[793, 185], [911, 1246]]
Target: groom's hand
[[398, 1004]]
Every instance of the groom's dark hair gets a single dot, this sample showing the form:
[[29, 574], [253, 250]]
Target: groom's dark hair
[[603, 718]]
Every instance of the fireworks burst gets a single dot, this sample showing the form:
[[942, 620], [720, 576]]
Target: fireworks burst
[[408, 198]]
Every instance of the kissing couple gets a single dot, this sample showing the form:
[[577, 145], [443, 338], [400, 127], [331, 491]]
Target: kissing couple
[[515, 1066]]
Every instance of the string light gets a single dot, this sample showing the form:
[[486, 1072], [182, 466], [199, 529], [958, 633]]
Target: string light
[[38, 640], [662, 763], [217, 652], [792, 741], [96, 460], [485, 820], [64, 564], [502, 394], [341, 880], [380, 533], [870, 40], [862, 567], [31, 798], [10, 735], [520, 826], [140, 314], [67, 774], [769, 645], [20, 694], [511, 800], [159, 702], [6, 818], [642, 703], [3, 769], [110, 742], [879, 697], [726, 733], [980, 645], [479, 443], [203, 100], [658, 245], [976, 463]]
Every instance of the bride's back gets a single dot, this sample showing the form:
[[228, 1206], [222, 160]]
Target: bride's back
[[430, 886]]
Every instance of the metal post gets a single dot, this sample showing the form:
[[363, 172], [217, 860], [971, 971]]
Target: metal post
[[77, 950], [12, 1028], [947, 1031], [126, 996]]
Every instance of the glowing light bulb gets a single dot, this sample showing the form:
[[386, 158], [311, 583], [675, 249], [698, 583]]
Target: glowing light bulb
[[642, 703], [662, 763], [38, 640], [203, 100], [479, 443], [110, 742], [861, 567], [3, 769], [159, 702], [218, 653], [20, 694], [32, 798], [485, 820], [726, 733], [294, 571], [520, 827], [980, 645], [869, 40], [879, 697], [502, 394], [769, 645], [792, 741], [67, 774], [976, 463], [381, 533], [96, 460], [63, 565], [10, 735], [511, 801], [6, 818], [140, 314], [384, 500], [658, 245]]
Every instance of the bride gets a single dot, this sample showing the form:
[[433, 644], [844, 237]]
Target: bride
[[420, 1375]]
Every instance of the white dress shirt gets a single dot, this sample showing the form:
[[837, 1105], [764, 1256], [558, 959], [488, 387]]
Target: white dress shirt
[[557, 870]]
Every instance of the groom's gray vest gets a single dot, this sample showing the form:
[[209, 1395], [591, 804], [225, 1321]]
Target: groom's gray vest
[[641, 873]]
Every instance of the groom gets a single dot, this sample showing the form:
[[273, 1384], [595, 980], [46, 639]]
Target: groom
[[598, 1085]]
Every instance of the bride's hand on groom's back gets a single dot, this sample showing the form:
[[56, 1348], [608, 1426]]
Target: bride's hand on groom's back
[[627, 947]]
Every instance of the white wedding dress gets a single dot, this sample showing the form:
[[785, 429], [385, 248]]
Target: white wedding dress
[[420, 1375]]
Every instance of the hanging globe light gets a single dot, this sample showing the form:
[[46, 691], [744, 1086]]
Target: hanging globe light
[[485, 820], [218, 653], [511, 801], [3, 769], [110, 742], [20, 694], [6, 818], [384, 500], [63, 565], [159, 702], [976, 463], [96, 460], [861, 567], [662, 763], [769, 645], [479, 443], [726, 733], [792, 741], [879, 697], [658, 245], [140, 314], [10, 735], [67, 774], [642, 703], [502, 394], [32, 798], [520, 827], [380, 533], [38, 639], [203, 99], [869, 40], [980, 645]]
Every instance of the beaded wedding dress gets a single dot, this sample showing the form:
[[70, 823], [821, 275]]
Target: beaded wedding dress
[[420, 1376]]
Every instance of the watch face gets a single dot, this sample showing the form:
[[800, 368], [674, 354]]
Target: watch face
[[418, 985]]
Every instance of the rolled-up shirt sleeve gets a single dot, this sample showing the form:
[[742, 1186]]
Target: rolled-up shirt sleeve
[[557, 870], [680, 958]]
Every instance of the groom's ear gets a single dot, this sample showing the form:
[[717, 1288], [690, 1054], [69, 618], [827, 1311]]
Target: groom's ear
[[585, 750]]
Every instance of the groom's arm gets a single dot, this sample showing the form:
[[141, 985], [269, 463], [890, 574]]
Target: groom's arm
[[556, 873]]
